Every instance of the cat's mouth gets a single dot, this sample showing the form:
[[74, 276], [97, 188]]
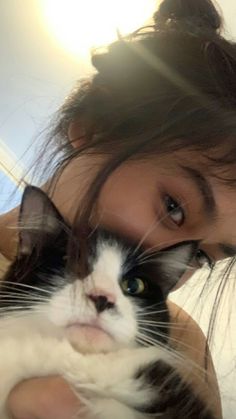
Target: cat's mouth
[[88, 337], [85, 326]]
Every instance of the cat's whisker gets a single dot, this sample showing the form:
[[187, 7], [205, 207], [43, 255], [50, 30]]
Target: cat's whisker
[[151, 306], [148, 313], [151, 321], [192, 366], [170, 339], [165, 336], [155, 322], [29, 308], [4, 298], [18, 301], [154, 332], [139, 308], [17, 312], [12, 288], [24, 298], [142, 342], [148, 231], [148, 254], [30, 287], [153, 342], [11, 316], [149, 340], [13, 309], [146, 261], [155, 250], [35, 303], [162, 325], [21, 294]]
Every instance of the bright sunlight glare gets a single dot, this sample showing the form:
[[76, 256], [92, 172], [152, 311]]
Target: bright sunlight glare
[[81, 25]]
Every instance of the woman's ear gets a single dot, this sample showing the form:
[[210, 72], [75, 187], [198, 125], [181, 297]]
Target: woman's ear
[[76, 133]]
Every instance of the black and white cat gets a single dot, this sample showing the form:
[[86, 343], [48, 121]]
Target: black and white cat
[[105, 332]]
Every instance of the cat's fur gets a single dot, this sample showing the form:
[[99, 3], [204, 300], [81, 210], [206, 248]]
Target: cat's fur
[[109, 343]]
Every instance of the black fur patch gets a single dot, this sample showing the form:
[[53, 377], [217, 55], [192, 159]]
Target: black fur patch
[[175, 398]]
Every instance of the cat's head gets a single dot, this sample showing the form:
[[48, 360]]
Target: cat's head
[[120, 302]]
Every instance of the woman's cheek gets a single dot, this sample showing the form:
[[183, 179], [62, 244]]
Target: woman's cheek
[[126, 209]]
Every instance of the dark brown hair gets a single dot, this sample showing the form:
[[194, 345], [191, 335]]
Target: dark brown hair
[[165, 87], [168, 86]]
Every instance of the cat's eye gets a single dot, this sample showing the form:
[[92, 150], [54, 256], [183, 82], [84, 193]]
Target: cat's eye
[[174, 210], [133, 286], [201, 258]]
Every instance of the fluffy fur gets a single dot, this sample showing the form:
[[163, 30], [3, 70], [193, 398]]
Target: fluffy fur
[[105, 332]]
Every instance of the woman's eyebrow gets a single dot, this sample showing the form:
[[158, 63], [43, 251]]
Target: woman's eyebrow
[[205, 189]]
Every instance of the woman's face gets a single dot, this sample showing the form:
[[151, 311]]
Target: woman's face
[[159, 202]]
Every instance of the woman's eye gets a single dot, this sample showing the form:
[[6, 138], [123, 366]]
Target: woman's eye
[[202, 258], [174, 210], [133, 286]]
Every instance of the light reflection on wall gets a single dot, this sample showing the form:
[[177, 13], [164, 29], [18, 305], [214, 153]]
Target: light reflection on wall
[[79, 26], [10, 194]]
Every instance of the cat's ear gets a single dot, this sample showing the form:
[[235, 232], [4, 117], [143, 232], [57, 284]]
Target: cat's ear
[[175, 260], [39, 220]]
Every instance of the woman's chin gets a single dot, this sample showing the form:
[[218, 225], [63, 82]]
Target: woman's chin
[[90, 339]]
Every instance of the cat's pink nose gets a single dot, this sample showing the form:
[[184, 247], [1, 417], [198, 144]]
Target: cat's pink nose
[[102, 300]]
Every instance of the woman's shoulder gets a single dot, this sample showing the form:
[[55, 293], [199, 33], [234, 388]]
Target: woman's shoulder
[[187, 337], [185, 328], [4, 265]]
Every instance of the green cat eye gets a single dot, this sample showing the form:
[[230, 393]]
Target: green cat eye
[[133, 286]]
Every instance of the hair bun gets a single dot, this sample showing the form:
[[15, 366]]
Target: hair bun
[[200, 13]]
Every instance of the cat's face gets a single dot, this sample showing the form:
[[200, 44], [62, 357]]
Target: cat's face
[[120, 302]]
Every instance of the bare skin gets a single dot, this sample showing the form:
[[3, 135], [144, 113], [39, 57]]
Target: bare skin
[[133, 203]]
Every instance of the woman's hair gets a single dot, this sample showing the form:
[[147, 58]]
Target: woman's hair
[[166, 87]]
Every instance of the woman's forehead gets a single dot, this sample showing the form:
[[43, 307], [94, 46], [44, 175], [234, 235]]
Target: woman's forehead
[[216, 162]]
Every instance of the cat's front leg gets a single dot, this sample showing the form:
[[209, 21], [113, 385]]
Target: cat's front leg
[[142, 381], [115, 375], [111, 409]]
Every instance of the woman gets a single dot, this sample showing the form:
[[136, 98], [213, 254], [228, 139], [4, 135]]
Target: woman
[[149, 151]]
